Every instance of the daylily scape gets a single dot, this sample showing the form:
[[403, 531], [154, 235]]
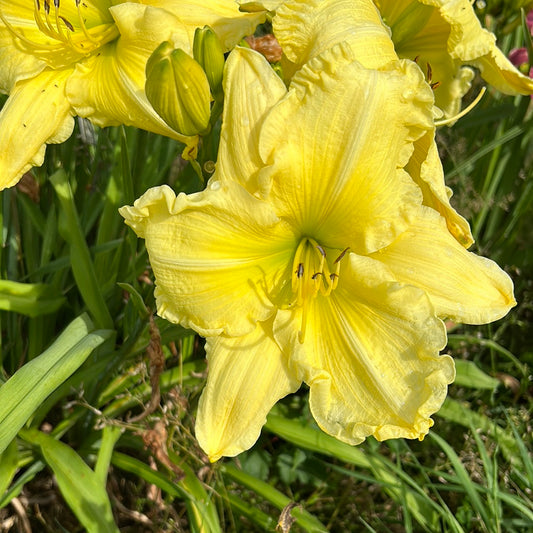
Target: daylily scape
[[63, 58], [310, 258]]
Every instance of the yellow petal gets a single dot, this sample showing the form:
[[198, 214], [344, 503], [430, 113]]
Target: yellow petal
[[35, 114], [461, 285], [218, 256], [251, 89], [336, 145], [305, 29], [474, 45], [420, 33], [15, 65], [370, 356], [224, 17], [447, 35], [246, 377], [426, 170]]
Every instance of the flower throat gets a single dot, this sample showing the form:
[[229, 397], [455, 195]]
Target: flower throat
[[78, 25]]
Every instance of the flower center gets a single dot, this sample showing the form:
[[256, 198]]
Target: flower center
[[78, 26], [406, 23], [311, 274]]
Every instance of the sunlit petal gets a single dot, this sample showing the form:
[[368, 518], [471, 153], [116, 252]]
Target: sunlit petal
[[15, 65], [336, 145], [426, 170], [444, 36], [224, 17], [36, 113], [461, 285], [218, 256], [305, 29], [377, 371], [473, 45], [251, 88], [246, 377]]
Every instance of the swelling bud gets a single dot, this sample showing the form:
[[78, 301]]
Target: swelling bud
[[208, 52], [178, 90]]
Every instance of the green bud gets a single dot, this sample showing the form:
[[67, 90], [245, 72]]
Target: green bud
[[178, 90], [208, 51]]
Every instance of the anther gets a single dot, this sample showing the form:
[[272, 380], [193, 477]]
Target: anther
[[321, 250], [46, 7], [342, 254], [67, 23], [300, 270], [429, 74]]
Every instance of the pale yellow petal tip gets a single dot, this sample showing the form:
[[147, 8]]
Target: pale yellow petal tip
[[223, 447], [434, 394], [403, 425], [157, 201]]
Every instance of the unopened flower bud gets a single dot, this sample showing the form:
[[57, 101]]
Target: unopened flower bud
[[178, 90], [208, 51]]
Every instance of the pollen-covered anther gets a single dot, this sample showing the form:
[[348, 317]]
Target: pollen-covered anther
[[312, 275], [429, 77]]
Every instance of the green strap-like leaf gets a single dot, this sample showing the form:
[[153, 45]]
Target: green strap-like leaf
[[22, 394], [30, 299], [82, 488]]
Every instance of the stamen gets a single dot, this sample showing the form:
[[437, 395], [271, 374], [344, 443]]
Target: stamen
[[83, 27], [71, 33], [321, 250], [463, 112], [312, 275]]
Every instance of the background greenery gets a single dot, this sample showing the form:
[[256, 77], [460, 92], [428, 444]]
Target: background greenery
[[88, 444]]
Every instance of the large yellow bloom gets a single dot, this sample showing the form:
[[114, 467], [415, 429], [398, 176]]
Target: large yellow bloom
[[60, 58], [442, 35], [310, 257]]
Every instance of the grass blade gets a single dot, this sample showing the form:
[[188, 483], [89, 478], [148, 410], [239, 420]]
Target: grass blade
[[82, 488], [80, 257]]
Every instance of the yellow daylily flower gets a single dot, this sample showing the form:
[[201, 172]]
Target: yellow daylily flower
[[443, 36], [446, 35], [63, 58], [309, 258]]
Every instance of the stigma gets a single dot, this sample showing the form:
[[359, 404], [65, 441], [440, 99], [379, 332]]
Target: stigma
[[312, 274]]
